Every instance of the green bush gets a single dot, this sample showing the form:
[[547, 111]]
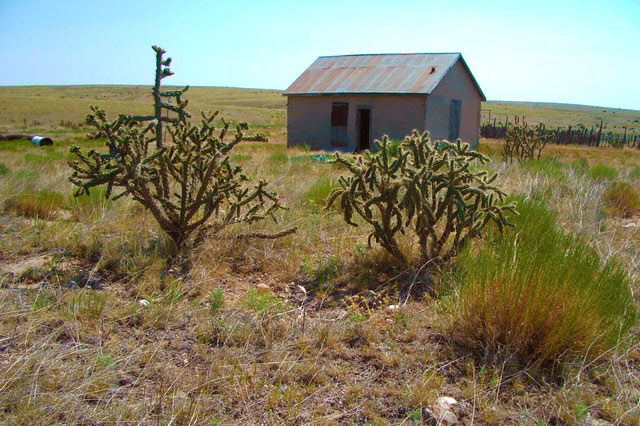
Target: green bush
[[536, 294], [602, 172], [4, 170], [621, 200]]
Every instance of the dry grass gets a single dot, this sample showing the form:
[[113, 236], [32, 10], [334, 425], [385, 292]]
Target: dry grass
[[274, 354]]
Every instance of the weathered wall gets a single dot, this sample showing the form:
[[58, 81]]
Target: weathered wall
[[309, 118], [457, 84]]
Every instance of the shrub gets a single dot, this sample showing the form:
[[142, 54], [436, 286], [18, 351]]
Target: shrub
[[602, 172], [524, 143], [4, 170], [429, 188], [188, 184], [537, 294], [621, 200]]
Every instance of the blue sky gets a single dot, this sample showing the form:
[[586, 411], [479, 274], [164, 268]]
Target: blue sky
[[585, 52]]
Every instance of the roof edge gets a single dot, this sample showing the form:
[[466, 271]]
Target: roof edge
[[466, 67]]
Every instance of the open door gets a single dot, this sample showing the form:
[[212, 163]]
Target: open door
[[454, 120], [364, 129]]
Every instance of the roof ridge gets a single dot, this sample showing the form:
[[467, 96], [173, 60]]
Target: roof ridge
[[391, 54]]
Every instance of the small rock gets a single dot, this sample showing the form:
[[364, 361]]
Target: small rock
[[442, 413], [263, 287], [144, 303], [393, 307]]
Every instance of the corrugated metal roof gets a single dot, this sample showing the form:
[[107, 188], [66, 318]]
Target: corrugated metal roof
[[417, 73]]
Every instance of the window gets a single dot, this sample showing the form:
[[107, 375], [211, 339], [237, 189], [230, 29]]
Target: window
[[339, 117]]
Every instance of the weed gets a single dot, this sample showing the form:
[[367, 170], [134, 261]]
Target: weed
[[319, 191], [216, 300], [277, 158], [305, 147], [263, 302], [4, 170], [602, 172], [86, 304]]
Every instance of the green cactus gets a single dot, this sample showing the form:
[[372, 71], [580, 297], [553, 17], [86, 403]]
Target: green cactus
[[523, 142], [187, 182], [425, 187]]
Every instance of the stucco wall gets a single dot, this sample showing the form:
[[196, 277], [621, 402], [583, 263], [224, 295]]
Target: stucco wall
[[457, 84], [309, 118]]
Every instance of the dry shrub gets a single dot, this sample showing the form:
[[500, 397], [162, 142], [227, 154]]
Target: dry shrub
[[536, 294], [621, 200]]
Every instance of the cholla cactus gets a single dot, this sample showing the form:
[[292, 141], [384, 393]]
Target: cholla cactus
[[523, 142], [188, 182], [425, 187]]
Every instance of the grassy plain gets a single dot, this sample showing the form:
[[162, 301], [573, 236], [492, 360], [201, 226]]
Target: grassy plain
[[92, 333]]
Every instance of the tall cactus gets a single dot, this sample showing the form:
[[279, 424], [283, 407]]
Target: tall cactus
[[425, 187], [187, 182]]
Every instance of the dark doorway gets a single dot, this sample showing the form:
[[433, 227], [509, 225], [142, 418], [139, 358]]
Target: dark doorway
[[364, 126]]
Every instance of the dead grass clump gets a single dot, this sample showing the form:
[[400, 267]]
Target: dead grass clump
[[42, 204], [621, 200]]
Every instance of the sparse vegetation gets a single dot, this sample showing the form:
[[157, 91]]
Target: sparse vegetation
[[310, 328]]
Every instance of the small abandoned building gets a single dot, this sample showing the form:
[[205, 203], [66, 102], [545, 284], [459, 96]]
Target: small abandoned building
[[345, 102]]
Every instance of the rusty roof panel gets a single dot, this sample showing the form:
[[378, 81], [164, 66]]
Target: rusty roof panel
[[393, 73]]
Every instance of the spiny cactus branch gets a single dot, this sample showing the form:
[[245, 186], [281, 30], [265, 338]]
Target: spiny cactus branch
[[186, 182], [429, 188]]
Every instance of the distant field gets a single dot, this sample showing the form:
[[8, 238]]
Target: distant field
[[60, 108], [562, 115]]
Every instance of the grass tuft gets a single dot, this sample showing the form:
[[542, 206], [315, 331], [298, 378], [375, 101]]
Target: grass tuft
[[319, 191], [4, 170], [536, 294], [602, 172]]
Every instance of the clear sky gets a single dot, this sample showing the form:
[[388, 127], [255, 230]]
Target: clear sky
[[585, 52]]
